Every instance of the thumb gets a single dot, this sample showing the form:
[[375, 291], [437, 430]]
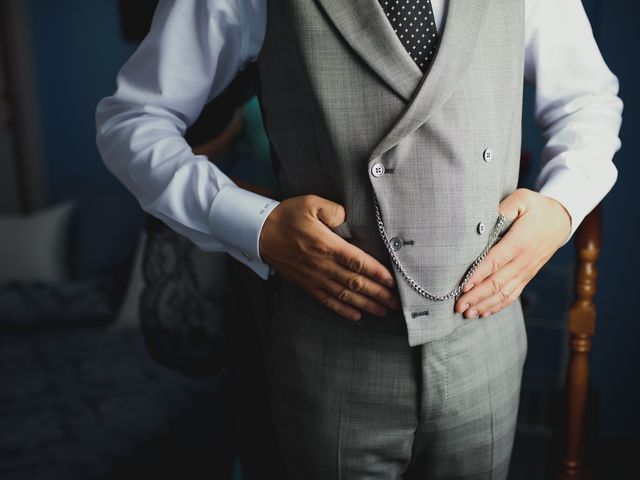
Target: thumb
[[330, 213], [514, 205]]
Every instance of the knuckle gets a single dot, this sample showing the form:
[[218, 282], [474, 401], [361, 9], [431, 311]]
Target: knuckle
[[503, 295], [524, 193], [309, 199], [380, 295], [344, 295], [327, 301], [309, 202], [321, 270], [508, 299], [316, 248], [495, 263], [356, 264], [518, 249], [521, 248], [356, 283], [496, 284]]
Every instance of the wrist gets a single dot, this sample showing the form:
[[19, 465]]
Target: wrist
[[563, 216]]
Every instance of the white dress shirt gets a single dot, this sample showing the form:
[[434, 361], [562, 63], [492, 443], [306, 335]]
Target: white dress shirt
[[196, 47]]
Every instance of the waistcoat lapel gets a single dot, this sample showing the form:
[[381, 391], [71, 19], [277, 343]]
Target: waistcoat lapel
[[458, 43], [365, 27]]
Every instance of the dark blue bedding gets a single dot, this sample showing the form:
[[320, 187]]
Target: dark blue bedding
[[91, 404]]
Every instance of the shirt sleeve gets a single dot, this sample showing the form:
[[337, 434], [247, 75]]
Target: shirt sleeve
[[192, 52], [576, 105]]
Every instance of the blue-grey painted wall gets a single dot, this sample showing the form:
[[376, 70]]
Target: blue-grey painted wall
[[78, 52], [616, 352]]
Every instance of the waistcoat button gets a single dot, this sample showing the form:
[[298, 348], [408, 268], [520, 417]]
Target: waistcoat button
[[377, 170], [487, 155], [480, 228], [396, 243]]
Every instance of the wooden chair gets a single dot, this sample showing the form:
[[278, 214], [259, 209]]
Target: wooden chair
[[582, 320]]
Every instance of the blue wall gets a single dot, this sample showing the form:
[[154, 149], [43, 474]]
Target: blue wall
[[78, 53], [616, 356]]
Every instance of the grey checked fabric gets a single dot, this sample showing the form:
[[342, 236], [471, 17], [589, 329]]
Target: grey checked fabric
[[340, 95], [356, 403], [413, 22]]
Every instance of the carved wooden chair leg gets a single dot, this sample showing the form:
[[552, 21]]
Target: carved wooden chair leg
[[582, 319]]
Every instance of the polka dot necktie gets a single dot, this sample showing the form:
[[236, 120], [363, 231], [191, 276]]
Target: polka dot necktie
[[413, 22]]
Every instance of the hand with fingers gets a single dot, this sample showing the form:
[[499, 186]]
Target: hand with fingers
[[540, 226], [297, 241]]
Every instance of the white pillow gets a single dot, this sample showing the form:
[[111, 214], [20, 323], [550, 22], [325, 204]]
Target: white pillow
[[33, 247], [128, 316]]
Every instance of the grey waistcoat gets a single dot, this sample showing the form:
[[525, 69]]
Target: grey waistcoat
[[341, 97]]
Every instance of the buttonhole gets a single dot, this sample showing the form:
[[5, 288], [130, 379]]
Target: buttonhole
[[389, 170], [407, 242], [419, 314]]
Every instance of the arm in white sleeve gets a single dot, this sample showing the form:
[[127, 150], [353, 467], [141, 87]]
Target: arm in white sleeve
[[192, 52], [576, 105]]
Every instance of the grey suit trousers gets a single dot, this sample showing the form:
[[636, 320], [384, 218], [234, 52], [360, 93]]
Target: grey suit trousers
[[352, 400]]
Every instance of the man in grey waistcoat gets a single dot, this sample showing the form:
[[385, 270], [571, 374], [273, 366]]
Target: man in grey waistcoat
[[400, 240]]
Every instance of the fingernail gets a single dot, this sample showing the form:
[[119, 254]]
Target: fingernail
[[486, 314], [467, 287], [464, 307], [472, 314], [389, 282]]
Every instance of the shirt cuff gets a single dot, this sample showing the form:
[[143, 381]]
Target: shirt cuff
[[261, 269], [564, 187], [236, 217]]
